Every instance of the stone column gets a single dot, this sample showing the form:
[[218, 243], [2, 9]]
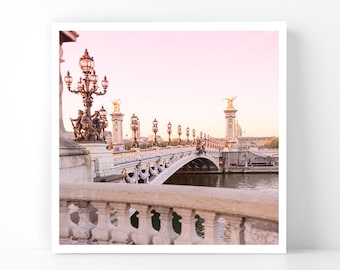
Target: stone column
[[230, 117], [117, 143], [74, 160], [64, 36]]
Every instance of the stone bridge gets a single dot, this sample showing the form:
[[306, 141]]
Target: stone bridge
[[153, 165]]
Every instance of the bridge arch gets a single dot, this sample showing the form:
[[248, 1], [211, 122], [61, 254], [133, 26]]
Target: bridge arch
[[177, 165], [199, 164]]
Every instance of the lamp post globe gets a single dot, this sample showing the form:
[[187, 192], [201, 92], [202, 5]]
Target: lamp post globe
[[134, 128], [169, 132], [179, 132], [155, 130], [187, 133]]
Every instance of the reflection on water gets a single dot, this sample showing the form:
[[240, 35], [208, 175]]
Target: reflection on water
[[253, 181]]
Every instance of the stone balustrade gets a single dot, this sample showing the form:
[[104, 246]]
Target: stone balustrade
[[106, 213], [121, 157]]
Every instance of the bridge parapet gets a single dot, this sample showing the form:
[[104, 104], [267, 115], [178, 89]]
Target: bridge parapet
[[121, 157], [213, 152], [137, 164], [143, 164], [101, 214]]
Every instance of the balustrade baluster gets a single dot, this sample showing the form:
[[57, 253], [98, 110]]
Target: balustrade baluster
[[82, 231], [102, 232], [66, 224], [188, 234], [145, 231], [122, 233], [166, 234], [211, 228], [234, 225]]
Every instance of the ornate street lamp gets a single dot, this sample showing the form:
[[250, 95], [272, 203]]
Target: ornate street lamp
[[193, 136], [169, 132], [103, 120], [86, 87], [188, 133], [155, 129], [103, 113], [134, 128], [179, 132]]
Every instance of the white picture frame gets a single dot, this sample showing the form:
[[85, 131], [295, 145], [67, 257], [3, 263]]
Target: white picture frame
[[281, 50]]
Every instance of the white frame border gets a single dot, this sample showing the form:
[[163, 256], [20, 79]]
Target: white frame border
[[281, 27]]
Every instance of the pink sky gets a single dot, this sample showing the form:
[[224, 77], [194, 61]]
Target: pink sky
[[182, 77]]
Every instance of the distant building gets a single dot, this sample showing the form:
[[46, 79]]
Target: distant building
[[246, 142], [151, 138]]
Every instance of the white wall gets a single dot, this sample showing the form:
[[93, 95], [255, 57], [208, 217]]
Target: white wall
[[313, 201]]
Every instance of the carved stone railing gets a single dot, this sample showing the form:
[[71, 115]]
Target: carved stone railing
[[106, 213], [121, 157]]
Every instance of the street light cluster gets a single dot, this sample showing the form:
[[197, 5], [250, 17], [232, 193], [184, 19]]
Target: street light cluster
[[204, 139], [87, 86], [88, 127]]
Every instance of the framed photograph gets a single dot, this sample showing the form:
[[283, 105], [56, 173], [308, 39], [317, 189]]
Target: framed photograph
[[169, 137]]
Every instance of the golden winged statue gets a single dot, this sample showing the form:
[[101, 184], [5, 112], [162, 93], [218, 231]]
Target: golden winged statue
[[116, 105], [230, 102]]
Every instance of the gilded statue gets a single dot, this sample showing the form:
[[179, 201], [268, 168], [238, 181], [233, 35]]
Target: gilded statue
[[230, 102], [116, 105]]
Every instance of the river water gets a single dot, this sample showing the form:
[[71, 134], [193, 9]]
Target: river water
[[253, 181]]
